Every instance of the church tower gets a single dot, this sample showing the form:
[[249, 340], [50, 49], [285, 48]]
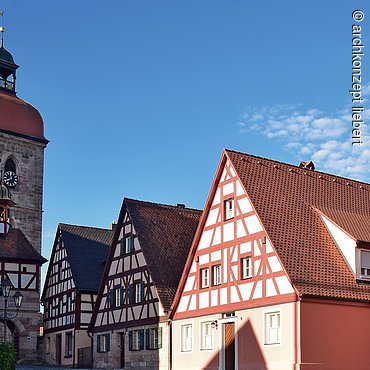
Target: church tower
[[22, 145]]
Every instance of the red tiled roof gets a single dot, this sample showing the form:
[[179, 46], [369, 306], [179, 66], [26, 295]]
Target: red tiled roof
[[16, 246], [165, 234], [285, 198]]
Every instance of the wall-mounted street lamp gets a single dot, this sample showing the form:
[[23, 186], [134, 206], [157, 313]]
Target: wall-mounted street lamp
[[6, 286]]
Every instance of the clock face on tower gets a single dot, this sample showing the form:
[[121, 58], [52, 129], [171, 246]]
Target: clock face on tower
[[10, 179]]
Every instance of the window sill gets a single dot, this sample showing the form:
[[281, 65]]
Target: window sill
[[68, 356]]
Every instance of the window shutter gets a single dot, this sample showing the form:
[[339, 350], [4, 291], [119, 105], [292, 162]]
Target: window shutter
[[122, 247], [131, 243], [131, 293], [107, 342], [141, 333], [142, 290], [122, 295], [111, 298], [130, 340], [98, 343], [159, 337], [147, 336]]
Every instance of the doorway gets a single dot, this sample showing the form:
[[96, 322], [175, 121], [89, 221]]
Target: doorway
[[229, 345], [58, 349], [122, 345]]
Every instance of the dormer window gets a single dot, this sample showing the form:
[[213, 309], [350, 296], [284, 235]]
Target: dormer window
[[365, 263], [229, 208]]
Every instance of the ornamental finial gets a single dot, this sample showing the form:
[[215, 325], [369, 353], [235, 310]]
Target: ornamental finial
[[2, 28]]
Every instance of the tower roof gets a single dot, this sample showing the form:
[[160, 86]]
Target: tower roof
[[5, 55], [20, 118]]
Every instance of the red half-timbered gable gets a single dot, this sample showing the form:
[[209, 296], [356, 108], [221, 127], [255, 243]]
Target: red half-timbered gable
[[278, 271], [234, 264]]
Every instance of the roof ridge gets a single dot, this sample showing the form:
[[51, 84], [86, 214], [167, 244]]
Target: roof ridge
[[84, 226], [296, 167], [163, 205]]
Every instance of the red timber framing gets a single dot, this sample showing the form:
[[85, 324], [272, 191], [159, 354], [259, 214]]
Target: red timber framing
[[127, 295], [231, 243]]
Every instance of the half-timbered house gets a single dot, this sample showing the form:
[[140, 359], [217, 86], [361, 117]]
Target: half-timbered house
[[148, 254], [70, 290], [278, 274], [20, 265]]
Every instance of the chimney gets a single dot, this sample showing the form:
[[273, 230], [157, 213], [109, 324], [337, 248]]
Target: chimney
[[113, 226], [308, 165]]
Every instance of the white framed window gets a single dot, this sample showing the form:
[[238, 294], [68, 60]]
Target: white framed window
[[365, 263], [246, 266], [136, 340], [138, 295], [103, 342], [117, 293], [186, 337], [273, 327], [206, 335], [129, 243], [216, 274], [229, 208], [153, 338], [204, 278]]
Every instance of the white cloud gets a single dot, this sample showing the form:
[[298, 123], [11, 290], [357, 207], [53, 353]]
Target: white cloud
[[313, 134]]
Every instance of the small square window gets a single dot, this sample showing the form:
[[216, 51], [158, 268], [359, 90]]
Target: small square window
[[272, 328], [246, 267], [204, 278], [229, 208], [216, 274]]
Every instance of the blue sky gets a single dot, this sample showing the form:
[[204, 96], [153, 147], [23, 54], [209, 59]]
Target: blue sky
[[140, 97]]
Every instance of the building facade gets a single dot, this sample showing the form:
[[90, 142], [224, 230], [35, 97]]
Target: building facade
[[22, 145], [131, 323], [70, 290], [277, 276]]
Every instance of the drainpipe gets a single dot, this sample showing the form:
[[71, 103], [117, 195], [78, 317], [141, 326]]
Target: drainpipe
[[92, 347]]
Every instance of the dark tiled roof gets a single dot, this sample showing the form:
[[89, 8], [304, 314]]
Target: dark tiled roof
[[165, 234], [286, 199], [15, 245], [87, 248]]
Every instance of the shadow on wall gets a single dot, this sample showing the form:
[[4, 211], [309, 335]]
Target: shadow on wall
[[250, 353]]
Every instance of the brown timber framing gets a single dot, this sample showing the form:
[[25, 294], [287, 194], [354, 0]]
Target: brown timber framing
[[125, 278]]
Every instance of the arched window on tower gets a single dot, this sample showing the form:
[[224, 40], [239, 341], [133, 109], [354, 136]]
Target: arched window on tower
[[10, 166]]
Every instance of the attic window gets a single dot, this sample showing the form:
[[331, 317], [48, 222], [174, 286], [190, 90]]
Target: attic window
[[365, 263], [229, 208]]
